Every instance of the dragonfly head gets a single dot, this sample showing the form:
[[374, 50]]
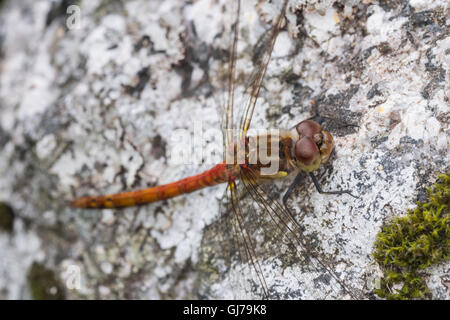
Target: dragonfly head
[[312, 145]]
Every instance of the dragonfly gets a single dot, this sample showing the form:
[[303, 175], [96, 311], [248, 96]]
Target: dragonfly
[[249, 162]]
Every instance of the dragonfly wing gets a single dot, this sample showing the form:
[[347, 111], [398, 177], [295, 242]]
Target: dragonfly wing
[[243, 231], [229, 110], [238, 251], [258, 250], [258, 76], [279, 238], [229, 264]]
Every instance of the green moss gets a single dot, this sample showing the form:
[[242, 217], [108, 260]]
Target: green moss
[[43, 283], [6, 217], [409, 244]]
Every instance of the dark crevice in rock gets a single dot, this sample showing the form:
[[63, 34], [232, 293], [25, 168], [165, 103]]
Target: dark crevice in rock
[[143, 77], [6, 217]]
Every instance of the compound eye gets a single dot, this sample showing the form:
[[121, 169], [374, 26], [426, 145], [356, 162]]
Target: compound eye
[[318, 138], [306, 151], [308, 128]]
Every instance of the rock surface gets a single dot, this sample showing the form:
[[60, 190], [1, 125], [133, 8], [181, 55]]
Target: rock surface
[[94, 103]]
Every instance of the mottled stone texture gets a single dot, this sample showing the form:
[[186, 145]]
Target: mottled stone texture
[[95, 108]]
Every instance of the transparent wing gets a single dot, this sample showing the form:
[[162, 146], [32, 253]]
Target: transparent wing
[[284, 242], [228, 253], [283, 239], [244, 236], [258, 77], [229, 112], [260, 251]]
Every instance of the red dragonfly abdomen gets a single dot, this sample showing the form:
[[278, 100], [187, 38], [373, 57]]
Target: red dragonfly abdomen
[[216, 175]]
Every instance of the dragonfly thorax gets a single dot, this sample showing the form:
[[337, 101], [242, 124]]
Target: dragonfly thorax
[[312, 145]]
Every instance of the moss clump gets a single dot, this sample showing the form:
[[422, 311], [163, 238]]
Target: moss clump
[[412, 243], [43, 283], [6, 217]]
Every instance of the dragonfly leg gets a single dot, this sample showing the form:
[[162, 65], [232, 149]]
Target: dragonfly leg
[[291, 188], [319, 189]]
